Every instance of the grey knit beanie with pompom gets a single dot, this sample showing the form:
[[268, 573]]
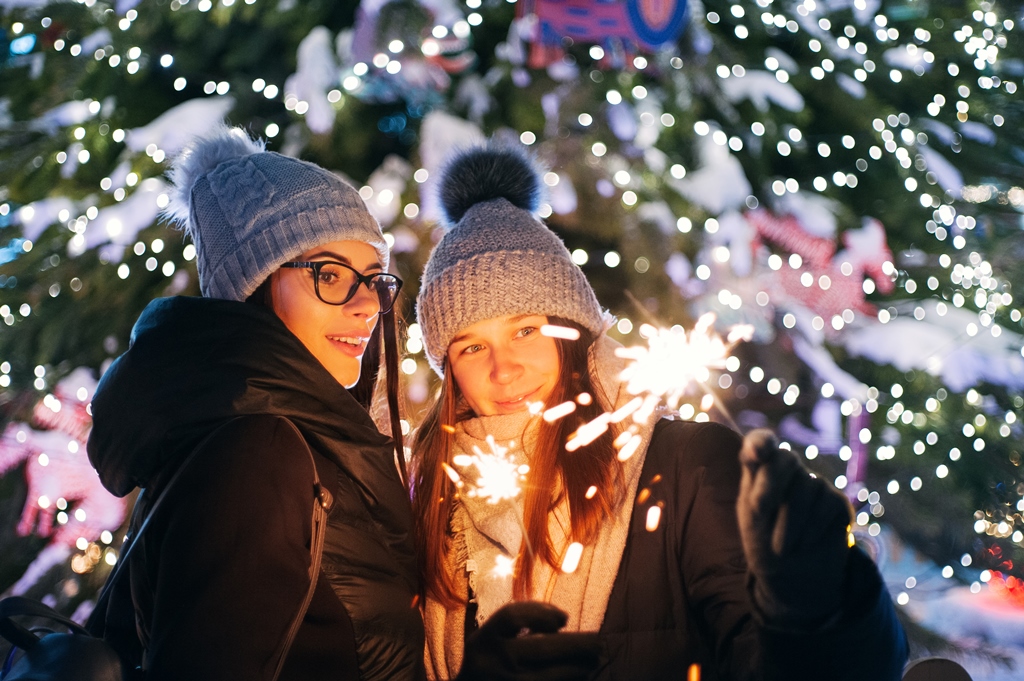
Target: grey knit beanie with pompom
[[497, 258], [248, 211]]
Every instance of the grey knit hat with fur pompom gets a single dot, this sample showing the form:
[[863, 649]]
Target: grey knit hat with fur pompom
[[248, 211], [497, 258]]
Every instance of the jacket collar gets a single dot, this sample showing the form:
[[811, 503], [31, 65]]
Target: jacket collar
[[194, 363]]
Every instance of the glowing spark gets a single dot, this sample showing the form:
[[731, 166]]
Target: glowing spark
[[503, 566], [653, 518], [629, 449], [498, 474], [452, 474], [674, 360], [591, 491], [584, 399], [693, 674], [661, 373], [565, 332], [534, 407], [626, 409], [588, 432], [572, 557], [555, 413]]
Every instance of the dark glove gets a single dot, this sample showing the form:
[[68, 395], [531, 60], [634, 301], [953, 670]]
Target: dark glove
[[795, 531], [520, 643]]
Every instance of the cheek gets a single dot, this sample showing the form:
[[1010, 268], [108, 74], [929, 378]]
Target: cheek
[[547, 364], [549, 358], [293, 307], [466, 379]]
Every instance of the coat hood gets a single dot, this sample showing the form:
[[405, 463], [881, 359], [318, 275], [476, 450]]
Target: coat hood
[[194, 363]]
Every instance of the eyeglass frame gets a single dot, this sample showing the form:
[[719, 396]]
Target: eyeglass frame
[[361, 279]]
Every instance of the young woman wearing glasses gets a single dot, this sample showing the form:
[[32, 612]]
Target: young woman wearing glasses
[[282, 353]]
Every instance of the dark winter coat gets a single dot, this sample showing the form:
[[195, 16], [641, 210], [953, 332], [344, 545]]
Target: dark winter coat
[[223, 569], [681, 594]]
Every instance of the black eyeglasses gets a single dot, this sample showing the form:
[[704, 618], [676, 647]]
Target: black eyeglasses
[[336, 283]]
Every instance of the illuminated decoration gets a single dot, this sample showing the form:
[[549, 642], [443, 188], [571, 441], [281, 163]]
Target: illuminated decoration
[[66, 501], [382, 67], [618, 26], [828, 283]]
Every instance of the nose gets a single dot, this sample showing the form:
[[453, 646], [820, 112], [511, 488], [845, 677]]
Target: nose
[[364, 303], [505, 366]]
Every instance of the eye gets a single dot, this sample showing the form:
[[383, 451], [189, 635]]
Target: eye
[[329, 274], [471, 349], [526, 331]]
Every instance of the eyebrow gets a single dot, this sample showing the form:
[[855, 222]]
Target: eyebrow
[[512, 321], [341, 258]]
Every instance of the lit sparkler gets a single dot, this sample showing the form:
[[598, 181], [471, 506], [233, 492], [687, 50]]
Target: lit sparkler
[[504, 566], [498, 474], [674, 360], [661, 374]]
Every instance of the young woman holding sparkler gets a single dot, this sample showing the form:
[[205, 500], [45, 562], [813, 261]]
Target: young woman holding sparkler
[[678, 547]]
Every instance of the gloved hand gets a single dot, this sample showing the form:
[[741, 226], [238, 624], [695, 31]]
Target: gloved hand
[[794, 530], [520, 642]]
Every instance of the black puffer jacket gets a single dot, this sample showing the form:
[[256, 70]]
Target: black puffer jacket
[[223, 569]]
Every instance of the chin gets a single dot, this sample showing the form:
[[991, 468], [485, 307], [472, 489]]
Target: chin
[[347, 376]]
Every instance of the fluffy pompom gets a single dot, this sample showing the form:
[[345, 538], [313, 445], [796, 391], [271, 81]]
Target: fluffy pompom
[[200, 157], [486, 173]]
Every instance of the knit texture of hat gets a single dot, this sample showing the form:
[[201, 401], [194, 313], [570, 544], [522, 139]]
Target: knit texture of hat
[[248, 211], [497, 258]]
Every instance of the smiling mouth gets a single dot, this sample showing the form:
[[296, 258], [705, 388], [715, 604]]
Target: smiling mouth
[[349, 340], [353, 346], [519, 401]]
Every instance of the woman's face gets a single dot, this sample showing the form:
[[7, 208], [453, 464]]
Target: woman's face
[[503, 364], [335, 334]]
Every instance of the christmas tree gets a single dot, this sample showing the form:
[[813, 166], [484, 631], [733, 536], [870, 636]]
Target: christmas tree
[[843, 176]]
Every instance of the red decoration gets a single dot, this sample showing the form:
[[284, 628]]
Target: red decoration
[[56, 467], [1009, 587], [820, 284]]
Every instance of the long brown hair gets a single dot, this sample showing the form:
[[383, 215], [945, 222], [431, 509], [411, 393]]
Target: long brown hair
[[593, 465]]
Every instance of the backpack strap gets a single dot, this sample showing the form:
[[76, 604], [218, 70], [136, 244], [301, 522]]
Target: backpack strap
[[322, 502]]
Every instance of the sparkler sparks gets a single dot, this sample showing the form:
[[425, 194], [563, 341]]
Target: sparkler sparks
[[557, 412], [498, 474], [674, 360], [504, 566], [572, 557], [552, 331], [662, 373]]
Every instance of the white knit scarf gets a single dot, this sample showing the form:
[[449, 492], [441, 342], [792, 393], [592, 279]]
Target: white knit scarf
[[487, 536]]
